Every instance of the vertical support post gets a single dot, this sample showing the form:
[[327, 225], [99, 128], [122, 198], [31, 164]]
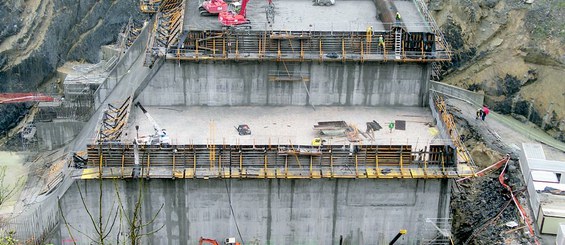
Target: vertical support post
[[311, 173], [279, 53], [100, 159], [362, 53], [401, 162], [196, 50], [240, 162], [265, 159], [442, 163], [356, 166], [377, 170], [193, 161], [321, 51], [224, 47], [148, 163], [343, 49], [331, 162], [286, 166], [220, 161], [301, 49], [214, 47], [237, 48], [259, 47], [422, 44], [426, 163], [123, 161], [174, 162]]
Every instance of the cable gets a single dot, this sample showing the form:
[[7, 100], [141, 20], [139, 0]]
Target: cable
[[232, 212]]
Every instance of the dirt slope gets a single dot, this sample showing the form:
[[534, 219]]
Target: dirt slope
[[511, 50], [37, 36]]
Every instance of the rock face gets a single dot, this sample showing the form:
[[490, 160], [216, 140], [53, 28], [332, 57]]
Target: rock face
[[513, 51], [37, 36]]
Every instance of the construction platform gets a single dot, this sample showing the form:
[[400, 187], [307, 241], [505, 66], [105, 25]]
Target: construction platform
[[301, 31], [303, 15], [205, 144]]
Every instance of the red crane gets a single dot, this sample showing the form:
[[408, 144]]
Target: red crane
[[7, 98], [213, 7], [231, 18]]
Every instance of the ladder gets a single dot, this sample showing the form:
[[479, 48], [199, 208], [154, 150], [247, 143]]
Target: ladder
[[397, 43]]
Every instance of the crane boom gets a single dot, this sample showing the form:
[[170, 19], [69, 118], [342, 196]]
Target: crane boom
[[7, 98], [155, 125]]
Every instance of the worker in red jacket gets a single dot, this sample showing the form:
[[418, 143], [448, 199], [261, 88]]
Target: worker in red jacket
[[485, 111]]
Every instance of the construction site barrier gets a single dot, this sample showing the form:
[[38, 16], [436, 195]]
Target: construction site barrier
[[471, 97]]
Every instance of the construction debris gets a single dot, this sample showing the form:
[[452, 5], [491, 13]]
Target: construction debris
[[331, 128]]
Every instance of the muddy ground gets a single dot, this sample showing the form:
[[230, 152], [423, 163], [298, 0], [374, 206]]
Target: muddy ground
[[482, 210]]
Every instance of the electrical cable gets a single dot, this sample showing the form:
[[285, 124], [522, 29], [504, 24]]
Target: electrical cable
[[232, 212]]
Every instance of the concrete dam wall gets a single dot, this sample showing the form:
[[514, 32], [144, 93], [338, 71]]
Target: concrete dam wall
[[269, 83], [266, 211]]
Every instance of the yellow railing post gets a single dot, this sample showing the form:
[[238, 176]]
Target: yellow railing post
[[101, 158], [265, 159], [236, 48], [286, 166]]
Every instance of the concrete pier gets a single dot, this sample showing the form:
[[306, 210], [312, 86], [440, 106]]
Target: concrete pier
[[265, 211]]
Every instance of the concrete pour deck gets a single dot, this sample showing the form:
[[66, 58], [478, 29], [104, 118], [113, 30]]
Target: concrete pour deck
[[302, 15], [282, 125]]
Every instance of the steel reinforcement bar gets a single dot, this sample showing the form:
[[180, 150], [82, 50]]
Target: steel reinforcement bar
[[272, 161]]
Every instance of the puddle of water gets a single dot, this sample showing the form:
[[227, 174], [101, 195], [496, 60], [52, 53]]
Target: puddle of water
[[15, 172]]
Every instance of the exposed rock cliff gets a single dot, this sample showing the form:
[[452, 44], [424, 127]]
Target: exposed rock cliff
[[511, 50], [37, 36]]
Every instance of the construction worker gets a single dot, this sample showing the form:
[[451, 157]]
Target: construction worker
[[398, 18], [485, 111], [381, 41]]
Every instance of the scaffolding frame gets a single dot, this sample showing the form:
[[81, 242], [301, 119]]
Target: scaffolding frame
[[114, 159]]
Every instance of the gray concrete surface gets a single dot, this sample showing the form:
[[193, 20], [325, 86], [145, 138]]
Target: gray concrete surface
[[266, 211], [58, 133], [219, 84], [129, 62], [457, 92], [281, 125], [411, 17], [302, 15]]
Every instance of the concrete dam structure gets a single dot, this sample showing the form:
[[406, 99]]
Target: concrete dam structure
[[278, 84], [297, 131], [265, 211]]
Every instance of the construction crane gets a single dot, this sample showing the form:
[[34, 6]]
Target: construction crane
[[213, 7], [159, 137], [232, 18], [8, 98], [229, 241]]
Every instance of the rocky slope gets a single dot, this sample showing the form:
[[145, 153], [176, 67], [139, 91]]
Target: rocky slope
[[513, 51], [37, 36]]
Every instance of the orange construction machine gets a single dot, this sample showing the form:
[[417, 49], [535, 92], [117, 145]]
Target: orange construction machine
[[213, 7], [233, 17]]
